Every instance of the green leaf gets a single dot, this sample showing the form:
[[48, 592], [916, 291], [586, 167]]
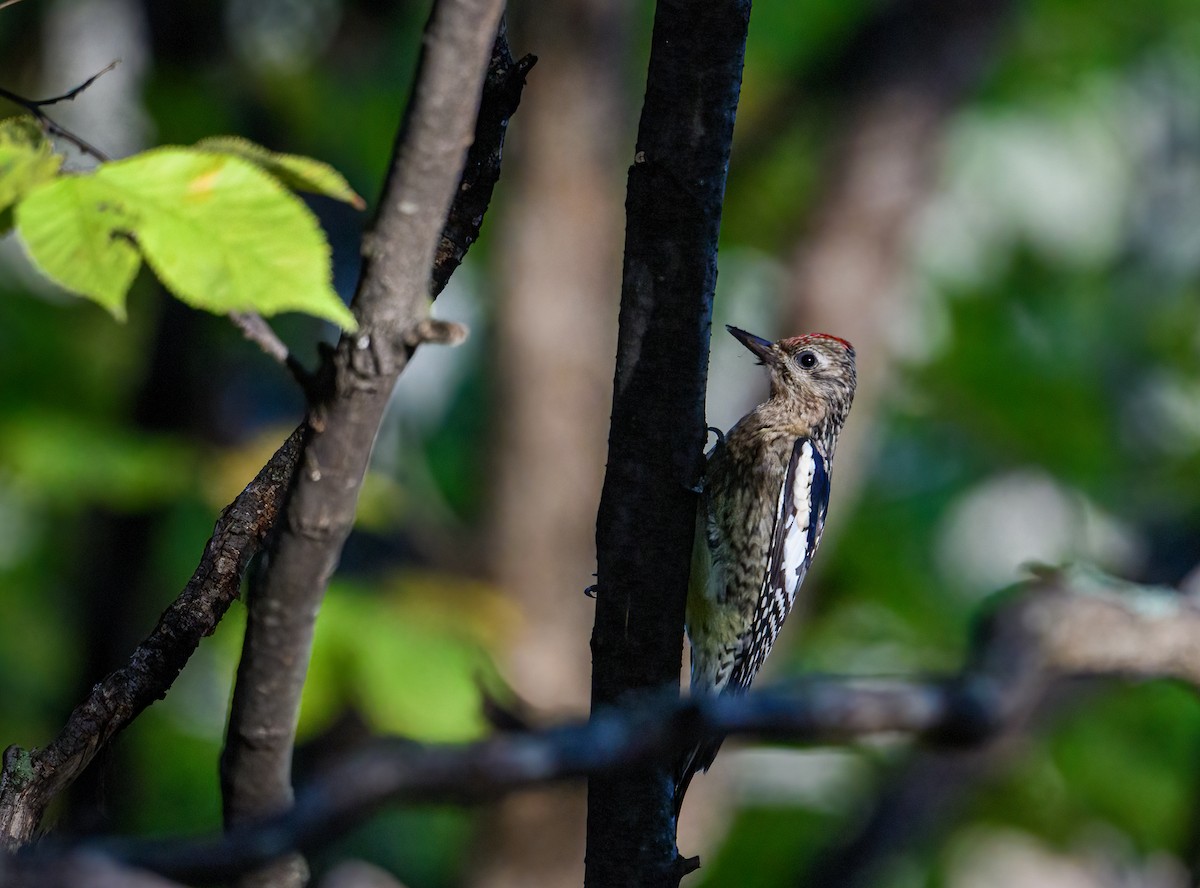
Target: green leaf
[[220, 233], [27, 160], [75, 230], [224, 236], [293, 170]]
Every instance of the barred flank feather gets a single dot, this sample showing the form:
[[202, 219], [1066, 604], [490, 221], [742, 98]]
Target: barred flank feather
[[762, 512]]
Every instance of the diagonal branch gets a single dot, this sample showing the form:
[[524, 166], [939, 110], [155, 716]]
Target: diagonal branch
[[392, 308], [32, 779], [1061, 625]]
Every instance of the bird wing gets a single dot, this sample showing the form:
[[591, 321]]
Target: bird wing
[[799, 520]]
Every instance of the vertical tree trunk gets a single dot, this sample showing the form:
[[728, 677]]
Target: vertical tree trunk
[[646, 519]]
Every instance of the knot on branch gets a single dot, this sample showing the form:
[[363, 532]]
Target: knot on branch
[[435, 332]]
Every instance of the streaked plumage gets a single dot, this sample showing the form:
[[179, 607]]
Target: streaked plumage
[[762, 511]]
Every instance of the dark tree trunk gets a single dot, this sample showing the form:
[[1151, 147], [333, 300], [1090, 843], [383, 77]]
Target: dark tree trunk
[[647, 509]]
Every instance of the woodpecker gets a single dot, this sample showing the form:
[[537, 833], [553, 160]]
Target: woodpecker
[[761, 513]]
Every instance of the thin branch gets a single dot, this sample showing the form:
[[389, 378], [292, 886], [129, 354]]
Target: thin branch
[[79, 869], [1059, 626], [256, 329], [35, 106], [396, 770], [8, 3], [69, 95], [30, 780]]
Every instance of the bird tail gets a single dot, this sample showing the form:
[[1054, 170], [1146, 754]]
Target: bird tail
[[698, 758]]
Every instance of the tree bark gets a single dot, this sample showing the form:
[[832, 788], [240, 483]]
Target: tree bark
[[645, 523], [30, 781], [391, 307]]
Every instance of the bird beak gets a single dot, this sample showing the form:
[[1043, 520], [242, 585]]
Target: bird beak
[[761, 348]]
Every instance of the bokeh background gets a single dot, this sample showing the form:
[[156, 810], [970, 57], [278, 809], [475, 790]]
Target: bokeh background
[[997, 202]]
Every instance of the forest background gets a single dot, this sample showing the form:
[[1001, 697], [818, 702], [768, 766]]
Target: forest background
[[997, 203]]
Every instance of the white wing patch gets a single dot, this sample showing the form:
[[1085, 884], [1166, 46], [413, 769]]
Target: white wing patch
[[799, 520], [796, 527]]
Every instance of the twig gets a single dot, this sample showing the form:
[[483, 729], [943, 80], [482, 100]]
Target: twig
[[30, 780], [8, 3], [436, 332], [1059, 626], [258, 331], [79, 869], [255, 328], [35, 106], [69, 95]]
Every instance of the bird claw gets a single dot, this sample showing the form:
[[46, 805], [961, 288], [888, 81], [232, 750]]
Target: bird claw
[[686, 865]]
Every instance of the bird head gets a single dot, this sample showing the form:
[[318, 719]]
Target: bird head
[[813, 373]]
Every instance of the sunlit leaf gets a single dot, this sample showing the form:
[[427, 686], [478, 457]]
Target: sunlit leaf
[[75, 230], [221, 234], [224, 236], [26, 159], [293, 170]]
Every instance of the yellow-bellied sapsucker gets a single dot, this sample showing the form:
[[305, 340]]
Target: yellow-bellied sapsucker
[[762, 510]]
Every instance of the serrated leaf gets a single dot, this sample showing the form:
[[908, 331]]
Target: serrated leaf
[[72, 229], [27, 159], [219, 232], [293, 170], [224, 236]]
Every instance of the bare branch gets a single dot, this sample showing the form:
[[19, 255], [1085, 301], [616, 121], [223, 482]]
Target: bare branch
[[31, 780], [391, 306], [393, 770], [35, 106], [1058, 626], [79, 869], [501, 95], [255, 328], [1061, 625], [69, 95]]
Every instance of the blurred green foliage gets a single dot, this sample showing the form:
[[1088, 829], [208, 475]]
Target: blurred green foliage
[[1039, 360]]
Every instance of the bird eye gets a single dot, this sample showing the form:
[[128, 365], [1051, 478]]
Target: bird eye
[[807, 360]]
